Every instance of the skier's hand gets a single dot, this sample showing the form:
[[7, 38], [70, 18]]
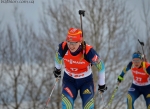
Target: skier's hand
[[57, 73], [102, 88], [120, 79]]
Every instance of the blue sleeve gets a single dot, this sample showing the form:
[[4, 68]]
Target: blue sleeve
[[58, 57], [91, 54], [127, 68], [148, 70], [60, 50], [95, 60]]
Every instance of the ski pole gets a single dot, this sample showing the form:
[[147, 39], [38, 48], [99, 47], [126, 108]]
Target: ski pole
[[51, 93], [102, 99], [142, 44], [81, 13], [112, 97]]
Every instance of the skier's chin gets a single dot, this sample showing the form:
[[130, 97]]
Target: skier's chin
[[72, 50], [136, 66]]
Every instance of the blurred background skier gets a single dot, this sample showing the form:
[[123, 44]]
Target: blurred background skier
[[141, 80]]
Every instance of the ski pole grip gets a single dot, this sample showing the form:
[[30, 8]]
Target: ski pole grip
[[142, 43], [81, 12]]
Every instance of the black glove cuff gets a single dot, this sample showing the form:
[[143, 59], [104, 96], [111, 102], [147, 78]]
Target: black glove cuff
[[57, 72], [102, 88]]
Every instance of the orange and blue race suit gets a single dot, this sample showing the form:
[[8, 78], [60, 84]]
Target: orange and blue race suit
[[78, 75], [140, 85]]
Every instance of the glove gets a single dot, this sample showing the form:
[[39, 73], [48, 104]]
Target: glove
[[57, 73], [120, 79], [102, 88]]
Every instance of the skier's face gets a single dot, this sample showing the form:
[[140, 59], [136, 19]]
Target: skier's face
[[137, 62], [73, 46]]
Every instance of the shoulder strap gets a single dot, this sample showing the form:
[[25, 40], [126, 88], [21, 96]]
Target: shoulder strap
[[65, 48], [85, 57], [87, 49], [144, 67]]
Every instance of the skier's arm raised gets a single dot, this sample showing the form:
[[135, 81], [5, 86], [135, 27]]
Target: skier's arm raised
[[125, 69]]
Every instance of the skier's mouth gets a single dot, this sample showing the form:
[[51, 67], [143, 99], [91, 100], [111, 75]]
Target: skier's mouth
[[137, 66], [72, 50]]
